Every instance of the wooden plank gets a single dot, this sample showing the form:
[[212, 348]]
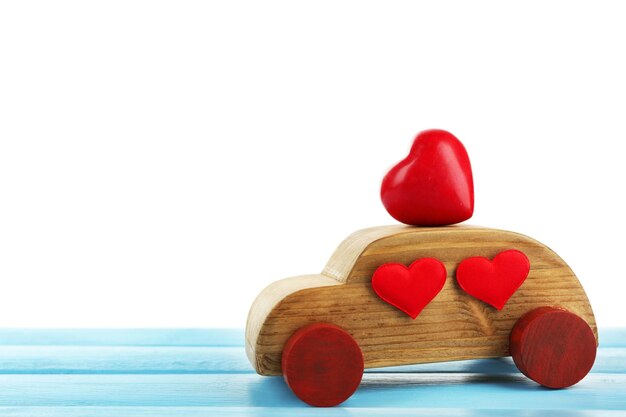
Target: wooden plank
[[613, 337], [131, 376], [224, 360], [122, 337], [473, 391], [122, 360], [290, 412], [609, 337]]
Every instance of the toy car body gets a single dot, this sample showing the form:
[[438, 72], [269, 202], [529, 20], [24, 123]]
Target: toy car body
[[453, 326]]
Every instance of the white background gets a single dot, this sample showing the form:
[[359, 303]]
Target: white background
[[162, 162]]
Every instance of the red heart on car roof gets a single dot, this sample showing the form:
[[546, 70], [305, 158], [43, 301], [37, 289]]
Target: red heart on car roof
[[433, 185]]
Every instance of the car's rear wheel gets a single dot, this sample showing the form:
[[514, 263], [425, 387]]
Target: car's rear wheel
[[553, 347], [322, 364]]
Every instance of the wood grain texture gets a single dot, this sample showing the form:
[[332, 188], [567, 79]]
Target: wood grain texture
[[454, 326]]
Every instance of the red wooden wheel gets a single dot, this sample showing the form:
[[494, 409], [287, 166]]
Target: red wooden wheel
[[322, 364], [553, 347]]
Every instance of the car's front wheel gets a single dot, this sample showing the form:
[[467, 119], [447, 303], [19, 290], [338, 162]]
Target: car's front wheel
[[322, 364]]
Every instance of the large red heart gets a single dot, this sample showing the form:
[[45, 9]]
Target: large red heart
[[409, 289], [433, 185], [493, 282]]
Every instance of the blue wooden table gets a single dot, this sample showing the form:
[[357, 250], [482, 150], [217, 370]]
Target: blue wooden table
[[205, 373]]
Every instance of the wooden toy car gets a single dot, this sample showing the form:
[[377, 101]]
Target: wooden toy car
[[320, 331]]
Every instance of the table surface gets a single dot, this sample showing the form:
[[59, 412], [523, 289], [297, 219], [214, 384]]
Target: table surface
[[205, 372]]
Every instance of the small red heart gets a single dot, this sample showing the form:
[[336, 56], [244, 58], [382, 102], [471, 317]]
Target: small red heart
[[409, 289], [433, 185], [493, 282]]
